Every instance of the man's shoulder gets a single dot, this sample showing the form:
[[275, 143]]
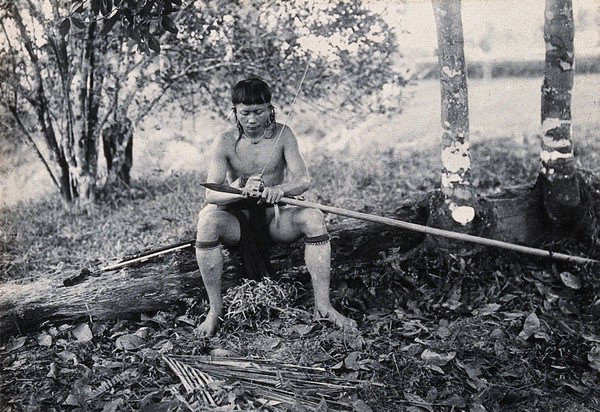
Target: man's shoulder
[[231, 133], [228, 137], [225, 141], [285, 131]]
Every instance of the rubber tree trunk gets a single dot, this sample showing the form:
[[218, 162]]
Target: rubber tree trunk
[[456, 157], [558, 176]]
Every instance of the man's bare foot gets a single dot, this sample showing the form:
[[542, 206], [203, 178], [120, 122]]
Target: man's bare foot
[[336, 317], [209, 327]]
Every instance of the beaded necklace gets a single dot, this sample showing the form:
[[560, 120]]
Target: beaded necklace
[[255, 141]]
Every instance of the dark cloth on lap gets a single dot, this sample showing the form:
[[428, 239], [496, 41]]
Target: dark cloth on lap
[[255, 242]]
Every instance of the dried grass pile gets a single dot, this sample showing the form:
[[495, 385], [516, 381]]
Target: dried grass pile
[[254, 303]]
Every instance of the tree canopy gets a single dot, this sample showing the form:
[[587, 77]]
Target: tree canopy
[[144, 21], [349, 50], [71, 72]]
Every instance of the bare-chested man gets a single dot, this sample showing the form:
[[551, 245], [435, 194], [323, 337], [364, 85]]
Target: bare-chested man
[[258, 146]]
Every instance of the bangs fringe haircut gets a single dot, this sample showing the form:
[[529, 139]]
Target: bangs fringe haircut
[[251, 91]]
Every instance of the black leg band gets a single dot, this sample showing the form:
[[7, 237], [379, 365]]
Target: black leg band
[[207, 245], [316, 240]]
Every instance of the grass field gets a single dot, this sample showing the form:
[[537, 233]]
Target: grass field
[[500, 108], [433, 335]]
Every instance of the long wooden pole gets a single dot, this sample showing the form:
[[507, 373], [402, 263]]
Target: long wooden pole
[[440, 232], [419, 228]]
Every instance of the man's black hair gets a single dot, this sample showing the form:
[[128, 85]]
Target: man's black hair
[[251, 91]]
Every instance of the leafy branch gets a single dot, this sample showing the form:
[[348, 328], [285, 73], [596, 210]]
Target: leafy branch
[[143, 21]]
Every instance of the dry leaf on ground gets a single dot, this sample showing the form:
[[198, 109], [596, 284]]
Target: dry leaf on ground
[[530, 326]]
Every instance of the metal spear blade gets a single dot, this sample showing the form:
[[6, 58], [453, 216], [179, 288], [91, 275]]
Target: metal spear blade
[[222, 188]]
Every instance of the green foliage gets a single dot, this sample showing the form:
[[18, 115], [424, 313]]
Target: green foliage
[[143, 21], [68, 78], [67, 82], [349, 52]]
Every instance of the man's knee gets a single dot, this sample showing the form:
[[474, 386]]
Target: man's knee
[[215, 224], [312, 222], [209, 225]]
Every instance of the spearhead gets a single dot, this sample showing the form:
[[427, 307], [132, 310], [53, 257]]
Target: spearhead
[[222, 188]]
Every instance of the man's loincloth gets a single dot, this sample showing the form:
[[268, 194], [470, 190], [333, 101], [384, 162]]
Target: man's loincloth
[[255, 241]]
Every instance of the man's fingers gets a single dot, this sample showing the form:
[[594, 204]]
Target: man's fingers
[[252, 188], [275, 197], [272, 195]]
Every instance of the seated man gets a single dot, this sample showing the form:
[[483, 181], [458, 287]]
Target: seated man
[[262, 158]]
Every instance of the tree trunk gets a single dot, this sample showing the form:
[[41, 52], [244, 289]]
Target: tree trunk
[[41, 106], [456, 212], [69, 129], [103, 296], [117, 140], [83, 148], [558, 176]]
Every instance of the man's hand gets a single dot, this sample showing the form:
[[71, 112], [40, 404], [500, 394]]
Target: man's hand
[[272, 194], [254, 186]]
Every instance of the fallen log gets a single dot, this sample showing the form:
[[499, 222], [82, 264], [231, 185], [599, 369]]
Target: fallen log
[[164, 281], [106, 296]]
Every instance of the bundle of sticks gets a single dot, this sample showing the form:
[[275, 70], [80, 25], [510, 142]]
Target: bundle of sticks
[[273, 383]]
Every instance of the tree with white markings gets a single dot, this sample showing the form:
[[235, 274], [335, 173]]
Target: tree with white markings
[[456, 158], [558, 175], [558, 191]]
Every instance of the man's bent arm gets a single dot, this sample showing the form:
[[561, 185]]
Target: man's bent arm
[[298, 180], [217, 173], [295, 186]]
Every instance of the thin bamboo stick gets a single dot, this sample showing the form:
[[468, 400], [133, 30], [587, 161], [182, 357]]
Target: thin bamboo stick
[[148, 255]]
